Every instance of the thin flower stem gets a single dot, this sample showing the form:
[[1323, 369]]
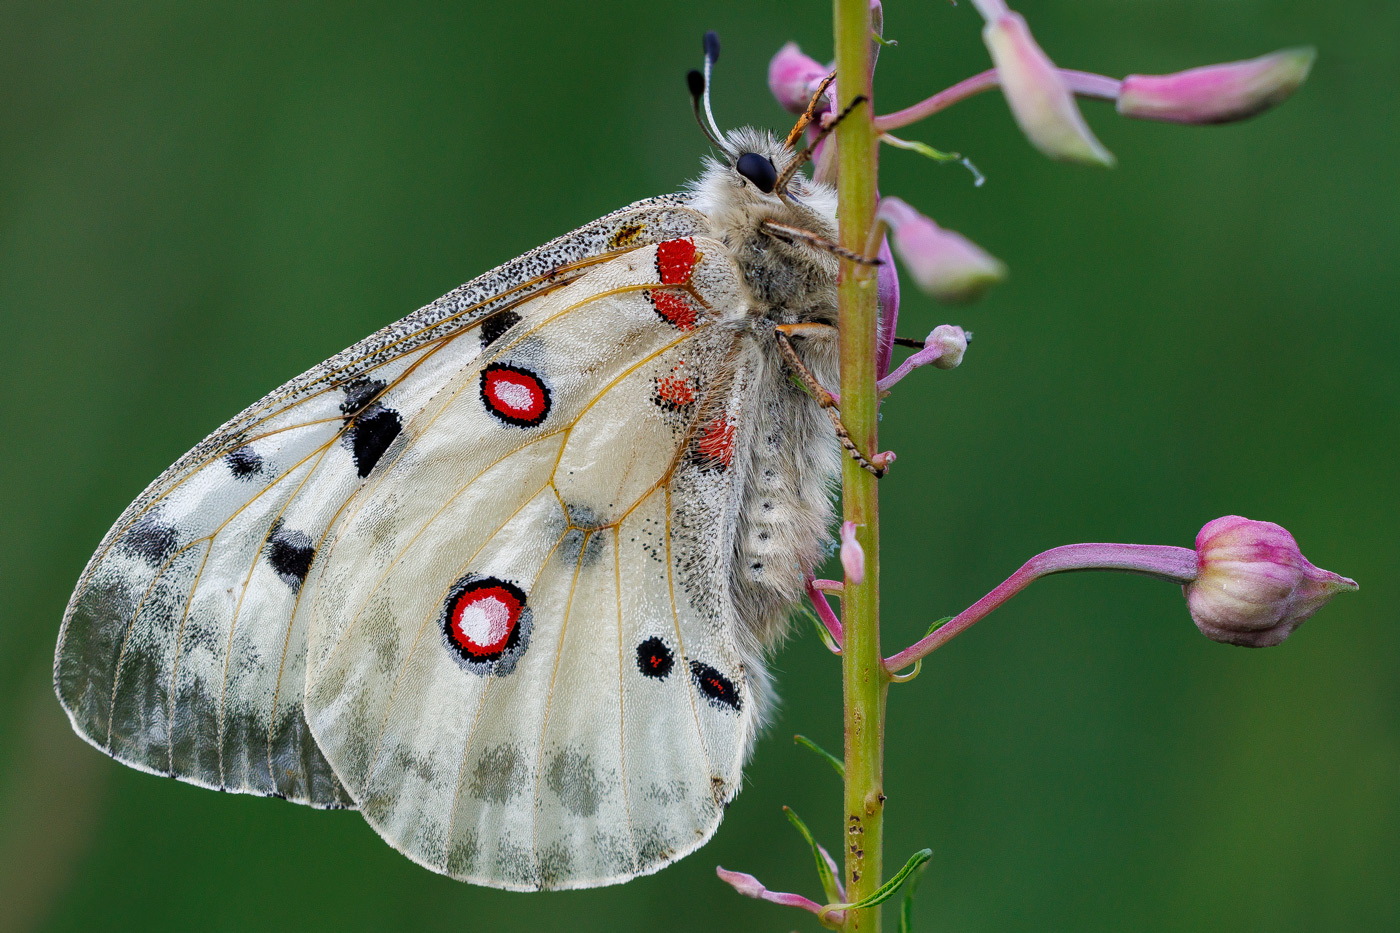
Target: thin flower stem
[[822, 608], [1082, 83], [1177, 564], [862, 671]]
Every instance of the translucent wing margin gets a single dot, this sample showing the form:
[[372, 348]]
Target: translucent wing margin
[[524, 660], [181, 652]]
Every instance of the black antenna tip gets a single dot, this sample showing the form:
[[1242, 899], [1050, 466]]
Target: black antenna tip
[[696, 82], [712, 46]]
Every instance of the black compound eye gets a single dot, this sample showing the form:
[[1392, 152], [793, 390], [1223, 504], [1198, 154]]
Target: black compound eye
[[758, 170]]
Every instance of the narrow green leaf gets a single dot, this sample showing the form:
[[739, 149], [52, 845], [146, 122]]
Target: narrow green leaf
[[823, 869], [822, 632], [906, 906], [938, 624], [831, 759], [887, 889], [937, 155]]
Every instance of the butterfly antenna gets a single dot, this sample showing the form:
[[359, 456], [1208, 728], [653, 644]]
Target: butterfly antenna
[[699, 85], [801, 158]]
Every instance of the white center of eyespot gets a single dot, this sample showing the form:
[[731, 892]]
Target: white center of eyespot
[[514, 395], [486, 621]]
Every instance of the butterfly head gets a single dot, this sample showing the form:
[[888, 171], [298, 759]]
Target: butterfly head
[[758, 172]]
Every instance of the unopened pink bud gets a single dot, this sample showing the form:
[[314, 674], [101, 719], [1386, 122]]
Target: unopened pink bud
[[852, 554], [1254, 587], [794, 77], [950, 343], [1039, 99], [749, 886], [945, 264], [744, 883], [1217, 93]]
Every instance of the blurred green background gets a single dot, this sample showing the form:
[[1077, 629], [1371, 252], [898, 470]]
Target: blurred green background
[[199, 200]]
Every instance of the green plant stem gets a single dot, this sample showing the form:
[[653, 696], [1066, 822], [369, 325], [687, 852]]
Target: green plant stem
[[862, 672]]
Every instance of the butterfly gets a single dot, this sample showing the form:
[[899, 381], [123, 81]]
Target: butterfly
[[502, 575]]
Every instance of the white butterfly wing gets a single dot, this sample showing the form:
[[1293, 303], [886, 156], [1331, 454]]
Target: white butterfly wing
[[524, 659], [181, 651]]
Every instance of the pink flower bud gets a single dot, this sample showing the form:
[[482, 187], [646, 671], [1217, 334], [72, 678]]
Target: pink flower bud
[[793, 77], [852, 554], [1217, 93], [944, 349], [949, 343], [1254, 586], [1039, 99], [945, 264], [749, 886]]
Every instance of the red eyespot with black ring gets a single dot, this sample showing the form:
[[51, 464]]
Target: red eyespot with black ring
[[486, 624], [514, 395]]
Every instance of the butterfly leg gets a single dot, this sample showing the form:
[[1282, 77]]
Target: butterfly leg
[[789, 234], [784, 333]]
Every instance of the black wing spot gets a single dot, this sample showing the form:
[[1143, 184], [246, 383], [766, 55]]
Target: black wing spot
[[370, 435], [717, 688], [150, 539], [360, 395], [290, 554], [370, 426], [244, 462], [654, 659], [495, 327]]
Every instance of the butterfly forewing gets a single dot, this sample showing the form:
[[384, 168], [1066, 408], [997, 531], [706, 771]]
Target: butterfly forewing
[[182, 651], [516, 670]]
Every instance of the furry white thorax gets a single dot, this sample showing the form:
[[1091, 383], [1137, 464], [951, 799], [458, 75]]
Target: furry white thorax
[[794, 459]]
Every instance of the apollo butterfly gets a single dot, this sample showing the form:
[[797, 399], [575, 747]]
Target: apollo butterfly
[[500, 576]]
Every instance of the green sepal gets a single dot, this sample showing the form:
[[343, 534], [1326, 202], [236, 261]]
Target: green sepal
[[830, 758], [823, 869]]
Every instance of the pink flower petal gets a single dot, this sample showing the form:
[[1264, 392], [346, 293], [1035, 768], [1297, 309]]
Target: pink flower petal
[[793, 77], [945, 264], [1039, 99]]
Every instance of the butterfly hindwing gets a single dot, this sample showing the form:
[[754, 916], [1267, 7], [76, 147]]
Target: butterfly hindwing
[[523, 659], [182, 651]]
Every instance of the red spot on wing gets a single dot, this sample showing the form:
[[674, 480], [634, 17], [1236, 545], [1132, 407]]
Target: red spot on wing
[[674, 260], [514, 395], [674, 308], [714, 447], [674, 392]]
